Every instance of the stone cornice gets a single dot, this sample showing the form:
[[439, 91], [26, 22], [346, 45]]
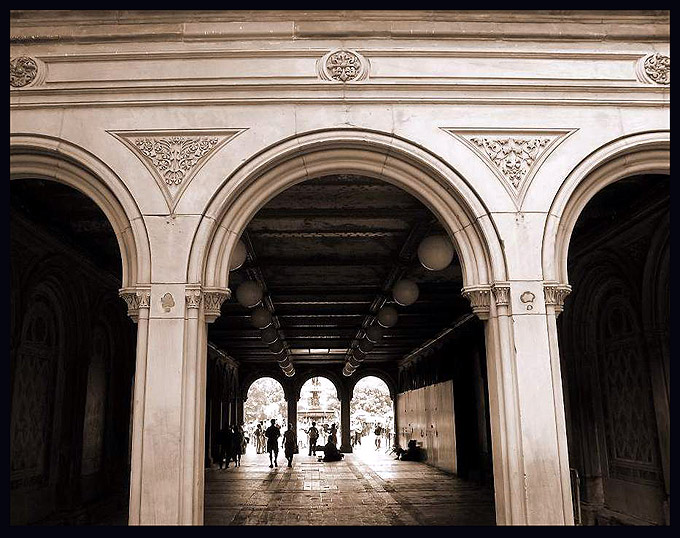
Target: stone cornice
[[28, 26]]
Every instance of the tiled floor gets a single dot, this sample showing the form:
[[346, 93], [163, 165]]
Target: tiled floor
[[366, 488]]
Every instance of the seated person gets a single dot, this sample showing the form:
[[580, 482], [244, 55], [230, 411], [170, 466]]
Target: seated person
[[331, 452], [412, 453]]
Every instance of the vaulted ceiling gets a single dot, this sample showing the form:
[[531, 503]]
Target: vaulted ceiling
[[327, 252]]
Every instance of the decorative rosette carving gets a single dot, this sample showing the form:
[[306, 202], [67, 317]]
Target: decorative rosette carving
[[654, 69], [343, 66], [23, 71]]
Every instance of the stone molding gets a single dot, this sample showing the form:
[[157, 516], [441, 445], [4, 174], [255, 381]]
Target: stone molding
[[479, 297], [174, 157], [343, 66], [25, 71], [555, 294], [514, 156], [654, 69], [135, 299]]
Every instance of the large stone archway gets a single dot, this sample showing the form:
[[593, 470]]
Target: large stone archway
[[520, 483]]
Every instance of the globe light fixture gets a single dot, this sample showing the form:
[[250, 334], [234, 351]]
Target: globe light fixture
[[352, 361], [282, 358], [405, 292], [269, 335], [290, 374], [261, 317], [358, 354], [366, 345], [276, 347], [387, 316], [285, 363], [347, 370], [374, 333], [435, 252], [249, 293], [238, 256]]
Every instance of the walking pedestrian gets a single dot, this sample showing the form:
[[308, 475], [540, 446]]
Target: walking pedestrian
[[313, 437], [289, 444], [272, 434], [378, 433]]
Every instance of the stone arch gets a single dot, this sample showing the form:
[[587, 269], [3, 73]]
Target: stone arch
[[256, 376], [372, 372], [640, 153], [302, 378], [357, 151], [49, 158]]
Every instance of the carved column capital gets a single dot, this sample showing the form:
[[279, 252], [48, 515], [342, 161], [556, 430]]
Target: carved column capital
[[135, 299], [501, 292], [212, 302], [555, 294], [479, 297], [193, 296]]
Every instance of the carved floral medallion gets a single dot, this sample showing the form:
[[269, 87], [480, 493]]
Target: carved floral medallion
[[22, 71], [343, 66], [655, 69]]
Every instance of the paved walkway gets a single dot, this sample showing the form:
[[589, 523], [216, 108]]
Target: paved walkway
[[366, 488]]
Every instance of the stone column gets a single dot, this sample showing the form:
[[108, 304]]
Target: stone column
[[396, 421], [531, 470], [345, 444], [292, 411]]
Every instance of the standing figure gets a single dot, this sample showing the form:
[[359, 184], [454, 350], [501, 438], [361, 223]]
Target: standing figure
[[313, 437], [223, 443], [333, 434], [228, 445], [272, 434], [236, 445], [378, 433], [259, 438], [289, 444]]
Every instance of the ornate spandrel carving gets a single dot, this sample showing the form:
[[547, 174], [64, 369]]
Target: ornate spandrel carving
[[514, 156], [343, 66], [555, 295], [174, 157], [479, 298], [212, 303], [23, 71], [654, 69], [135, 299]]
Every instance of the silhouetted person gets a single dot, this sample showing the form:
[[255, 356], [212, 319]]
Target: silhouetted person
[[236, 444], [412, 453], [333, 435], [259, 438], [313, 438], [331, 452], [272, 434], [289, 444], [223, 442], [378, 432]]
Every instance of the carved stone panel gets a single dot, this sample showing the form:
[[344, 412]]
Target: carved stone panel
[[514, 156], [343, 66], [174, 157]]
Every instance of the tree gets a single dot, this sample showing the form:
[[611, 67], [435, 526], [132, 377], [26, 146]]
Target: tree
[[265, 401]]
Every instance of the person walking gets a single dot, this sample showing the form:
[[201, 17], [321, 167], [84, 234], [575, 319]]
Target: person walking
[[272, 434], [289, 444], [236, 445], [223, 442], [313, 437]]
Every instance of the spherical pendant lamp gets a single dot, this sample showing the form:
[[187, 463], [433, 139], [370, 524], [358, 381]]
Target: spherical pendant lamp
[[405, 292], [355, 363], [290, 374], [366, 345], [249, 293], [347, 370], [285, 363], [358, 354], [374, 333], [269, 335], [238, 256], [387, 316], [261, 317], [282, 358], [435, 252], [276, 347], [288, 368]]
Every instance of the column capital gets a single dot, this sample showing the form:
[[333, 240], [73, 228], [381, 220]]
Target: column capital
[[555, 293], [479, 297], [212, 302], [501, 292], [193, 296], [136, 298]]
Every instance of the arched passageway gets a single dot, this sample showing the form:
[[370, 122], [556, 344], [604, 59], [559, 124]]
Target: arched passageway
[[614, 335], [72, 360], [314, 281], [372, 416]]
